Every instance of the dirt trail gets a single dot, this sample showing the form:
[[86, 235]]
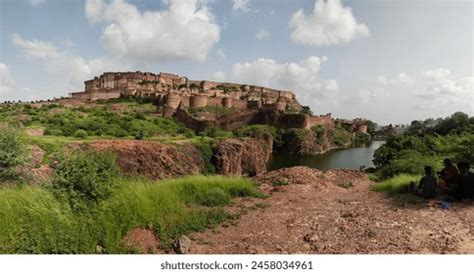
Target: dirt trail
[[324, 214]]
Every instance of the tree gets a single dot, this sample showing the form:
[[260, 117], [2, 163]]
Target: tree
[[12, 152]]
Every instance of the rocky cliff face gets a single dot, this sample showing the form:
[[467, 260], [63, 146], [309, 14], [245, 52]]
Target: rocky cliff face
[[154, 160], [243, 156], [305, 141]]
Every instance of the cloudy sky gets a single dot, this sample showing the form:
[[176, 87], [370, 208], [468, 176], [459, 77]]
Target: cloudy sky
[[391, 61]]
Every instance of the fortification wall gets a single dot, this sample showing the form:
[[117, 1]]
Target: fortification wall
[[215, 101], [198, 101], [238, 119], [197, 125], [324, 120], [227, 102], [105, 95], [185, 100], [239, 104], [84, 96], [294, 121], [173, 100]]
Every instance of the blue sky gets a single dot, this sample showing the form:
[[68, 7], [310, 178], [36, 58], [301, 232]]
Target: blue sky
[[389, 61]]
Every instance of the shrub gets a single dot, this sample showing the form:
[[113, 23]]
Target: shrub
[[80, 133], [341, 137], [215, 132], [12, 151], [205, 148], [361, 139], [85, 178], [258, 131]]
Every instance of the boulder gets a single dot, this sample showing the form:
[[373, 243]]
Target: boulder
[[183, 244]]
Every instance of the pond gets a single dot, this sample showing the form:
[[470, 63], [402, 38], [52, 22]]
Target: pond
[[352, 158]]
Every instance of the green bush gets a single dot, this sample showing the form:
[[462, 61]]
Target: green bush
[[12, 151], [80, 133], [361, 139], [205, 148], [215, 132], [341, 137], [257, 131], [86, 178]]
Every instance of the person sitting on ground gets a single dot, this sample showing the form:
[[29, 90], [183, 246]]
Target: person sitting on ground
[[465, 181], [427, 185], [448, 174]]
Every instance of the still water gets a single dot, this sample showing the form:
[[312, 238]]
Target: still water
[[352, 158]]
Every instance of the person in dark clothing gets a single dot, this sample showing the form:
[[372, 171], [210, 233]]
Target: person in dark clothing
[[465, 181], [428, 184], [448, 174]]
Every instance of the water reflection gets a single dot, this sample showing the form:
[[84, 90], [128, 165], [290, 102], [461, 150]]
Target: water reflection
[[341, 158]]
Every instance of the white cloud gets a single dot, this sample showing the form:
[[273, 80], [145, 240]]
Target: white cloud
[[330, 23], [35, 48], [437, 74], [218, 76], [185, 30], [66, 66], [262, 34], [403, 97], [6, 79], [94, 9], [401, 78], [242, 5], [301, 78], [440, 83]]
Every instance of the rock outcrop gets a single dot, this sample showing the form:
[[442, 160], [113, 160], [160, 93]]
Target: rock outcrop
[[243, 156], [306, 142], [154, 160]]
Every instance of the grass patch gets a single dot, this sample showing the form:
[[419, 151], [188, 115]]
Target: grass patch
[[395, 185], [397, 188], [32, 220]]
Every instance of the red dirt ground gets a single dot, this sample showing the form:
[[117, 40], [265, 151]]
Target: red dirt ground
[[315, 213]]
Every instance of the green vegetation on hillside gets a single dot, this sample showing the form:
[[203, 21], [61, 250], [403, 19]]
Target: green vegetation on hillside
[[341, 137], [98, 120], [427, 143], [12, 152]]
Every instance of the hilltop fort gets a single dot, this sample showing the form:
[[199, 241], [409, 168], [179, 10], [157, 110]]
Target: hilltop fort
[[200, 103]]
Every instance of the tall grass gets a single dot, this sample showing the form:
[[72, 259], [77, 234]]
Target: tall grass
[[396, 185], [32, 220], [397, 188]]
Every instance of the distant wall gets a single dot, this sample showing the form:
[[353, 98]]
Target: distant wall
[[324, 120], [294, 121]]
